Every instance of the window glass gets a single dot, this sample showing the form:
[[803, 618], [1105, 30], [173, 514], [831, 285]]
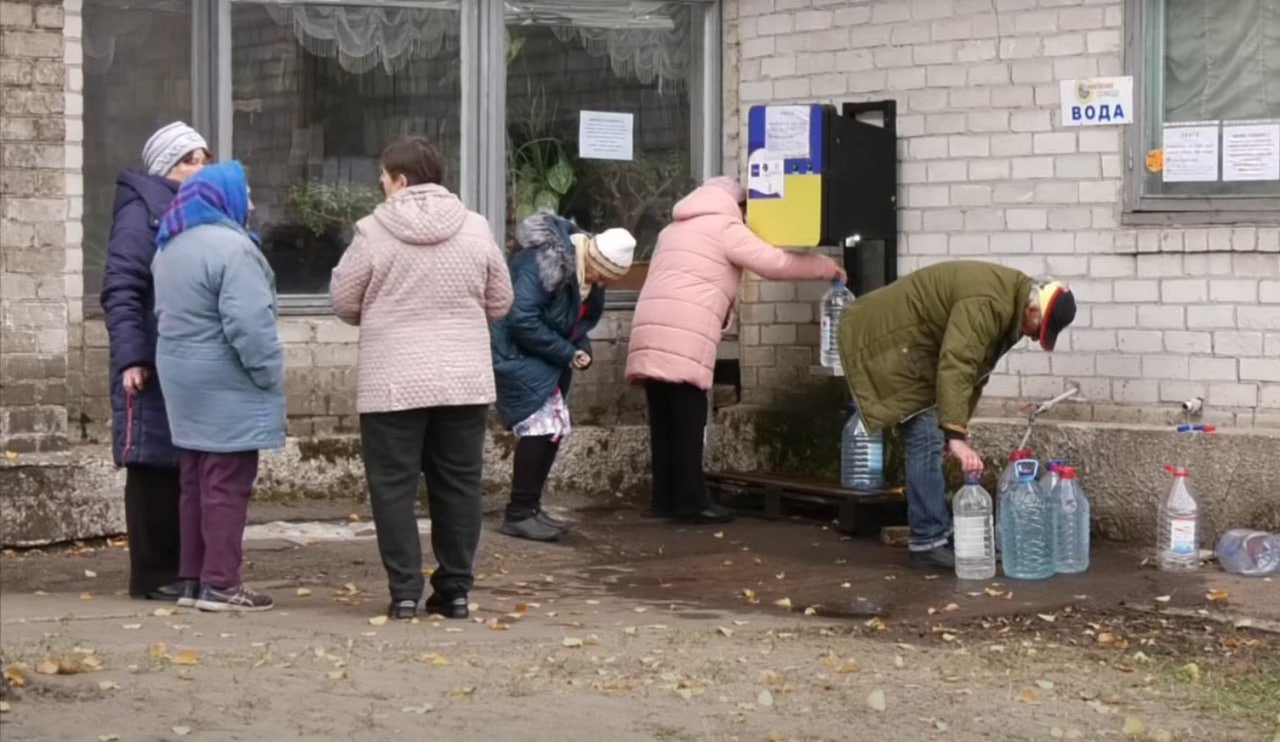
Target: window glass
[[137, 66], [1214, 92], [318, 90], [568, 62]]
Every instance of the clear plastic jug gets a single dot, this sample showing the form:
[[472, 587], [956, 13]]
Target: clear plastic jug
[[1049, 478], [974, 531], [1250, 553], [1007, 478], [1071, 523], [833, 304], [861, 455], [1178, 532], [1027, 527]]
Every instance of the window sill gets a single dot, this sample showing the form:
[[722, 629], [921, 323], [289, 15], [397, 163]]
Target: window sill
[[1200, 218]]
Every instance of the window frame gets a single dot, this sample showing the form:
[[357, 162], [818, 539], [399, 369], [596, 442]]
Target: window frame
[[1139, 208], [482, 58]]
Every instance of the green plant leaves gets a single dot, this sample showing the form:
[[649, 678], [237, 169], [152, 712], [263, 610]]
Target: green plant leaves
[[560, 177]]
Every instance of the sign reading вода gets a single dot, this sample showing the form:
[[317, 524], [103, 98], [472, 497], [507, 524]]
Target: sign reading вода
[[1098, 101]]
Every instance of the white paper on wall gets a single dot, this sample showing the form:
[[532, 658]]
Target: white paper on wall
[[1251, 151], [786, 131], [606, 136], [1191, 153]]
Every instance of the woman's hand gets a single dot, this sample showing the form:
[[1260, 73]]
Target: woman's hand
[[581, 360], [134, 378]]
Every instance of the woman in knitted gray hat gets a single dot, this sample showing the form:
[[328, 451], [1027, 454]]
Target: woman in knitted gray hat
[[139, 428]]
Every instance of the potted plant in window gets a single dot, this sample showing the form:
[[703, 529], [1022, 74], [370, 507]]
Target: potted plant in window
[[305, 248]]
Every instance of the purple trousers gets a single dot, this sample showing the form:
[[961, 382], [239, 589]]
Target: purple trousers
[[213, 509]]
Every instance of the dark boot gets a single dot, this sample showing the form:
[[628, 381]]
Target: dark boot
[[531, 528], [939, 557], [449, 605], [530, 466]]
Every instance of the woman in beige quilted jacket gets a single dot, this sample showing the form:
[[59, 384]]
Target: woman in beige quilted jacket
[[422, 279]]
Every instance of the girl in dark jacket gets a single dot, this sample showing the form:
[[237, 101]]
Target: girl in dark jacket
[[559, 279], [139, 428]]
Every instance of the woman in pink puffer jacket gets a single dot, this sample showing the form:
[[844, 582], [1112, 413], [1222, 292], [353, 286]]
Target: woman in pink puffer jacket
[[684, 307]]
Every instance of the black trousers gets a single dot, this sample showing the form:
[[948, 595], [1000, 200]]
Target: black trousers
[[151, 495], [677, 419], [446, 445], [530, 467]]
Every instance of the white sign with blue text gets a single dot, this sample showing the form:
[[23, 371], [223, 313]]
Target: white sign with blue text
[[1099, 101]]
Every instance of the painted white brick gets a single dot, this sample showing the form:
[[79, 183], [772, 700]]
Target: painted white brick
[[1269, 396], [1010, 242], [814, 20], [1065, 219], [1188, 342], [1072, 364], [890, 12], [993, 168], [993, 73], [970, 98], [778, 67], [1005, 145], [1054, 143], [1073, 68], [1113, 315], [930, 244], [1092, 340], [1077, 166], [945, 123], [1238, 344], [1028, 219], [1103, 42], [1099, 192], [923, 196], [1184, 291], [927, 100], [1031, 71], [852, 16], [1068, 266], [1080, 19], [1137, 291], [1159, 317], [756, 48], [1033, 167], [931, 9], [893, 56], [1064, 45], [984, 220], [776, 24], [851, 60], [1140, 341], [832, 84], [1158, 266], [790, 89], [1042, 387], [1165, 367], [1210, 317], [1043, 22], [1013, 96], [910, 34], [971, 195], [1058, 243], [1119, 365], [926, 54], [1233, 395], [969, 244], [1213, 369], [1113, 266], [1256, 264], [1263, 317], [1136, 392], [1268, 292], [969, 146], [978, 50], [989, 121], [1017, 192], [943, 220], [1029, 364]]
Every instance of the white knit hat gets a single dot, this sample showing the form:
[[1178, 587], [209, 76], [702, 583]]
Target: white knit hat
[[166, 148], [611, 253]]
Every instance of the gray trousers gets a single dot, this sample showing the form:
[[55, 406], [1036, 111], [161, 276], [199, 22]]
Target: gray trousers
[[446, 445]]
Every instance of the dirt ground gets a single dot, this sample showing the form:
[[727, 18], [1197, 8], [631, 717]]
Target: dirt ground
[[637, 630]]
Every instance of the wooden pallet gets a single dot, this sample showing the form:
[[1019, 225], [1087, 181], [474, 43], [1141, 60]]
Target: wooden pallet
[[857, 513]]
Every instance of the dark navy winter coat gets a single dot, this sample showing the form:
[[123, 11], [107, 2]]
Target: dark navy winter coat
[[533, 347], [139, 426]]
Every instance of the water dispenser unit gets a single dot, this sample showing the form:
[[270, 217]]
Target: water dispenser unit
[[822, 177]]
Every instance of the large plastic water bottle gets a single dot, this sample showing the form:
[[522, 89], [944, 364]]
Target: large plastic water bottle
[[1027, 527], [974, 531], [1050, 477], [1071, 523], [861, 455], [1178, 535], [1007, 478], [1251, 553], [833, 304]]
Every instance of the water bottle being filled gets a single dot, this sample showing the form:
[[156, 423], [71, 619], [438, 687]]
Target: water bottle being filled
[[833, 304], [1250, 553], [1178, 537], [1049, 479], [974, 532], [1072, 523], [1027, 527], [861, 455]]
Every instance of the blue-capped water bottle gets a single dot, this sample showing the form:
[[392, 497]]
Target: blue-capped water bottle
[[974, 530], [1027, 527], [833, 304]]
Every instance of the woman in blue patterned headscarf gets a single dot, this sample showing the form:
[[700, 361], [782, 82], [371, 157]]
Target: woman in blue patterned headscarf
[[221, 368]]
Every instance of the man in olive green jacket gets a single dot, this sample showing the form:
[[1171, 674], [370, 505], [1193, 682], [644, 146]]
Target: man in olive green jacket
[[917, 353]]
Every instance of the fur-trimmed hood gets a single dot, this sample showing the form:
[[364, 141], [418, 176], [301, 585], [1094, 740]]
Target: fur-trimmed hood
[[548, 237]]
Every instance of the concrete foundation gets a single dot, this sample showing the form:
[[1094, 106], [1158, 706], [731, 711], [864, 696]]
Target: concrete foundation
[[1236, 473]]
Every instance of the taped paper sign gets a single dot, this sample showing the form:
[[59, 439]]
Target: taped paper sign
[[786, 131], [765, 174], [1191, 153], [1251, 151]]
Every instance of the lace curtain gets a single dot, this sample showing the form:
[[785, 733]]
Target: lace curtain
[[1221, 66], [110, 23], [365, 37]]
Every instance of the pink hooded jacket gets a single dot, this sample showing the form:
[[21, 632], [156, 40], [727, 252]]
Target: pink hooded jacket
[[697, 267]]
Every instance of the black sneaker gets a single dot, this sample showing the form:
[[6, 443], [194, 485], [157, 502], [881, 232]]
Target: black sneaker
[[403, 610], [448, 605], [165, 593], [939, 557], [239, 598], [550, 520], [190, 592], [531, 528], [712, 514]]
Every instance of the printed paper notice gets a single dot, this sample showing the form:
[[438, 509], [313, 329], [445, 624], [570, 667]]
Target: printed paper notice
[[1191, 153], [1251, 152], [765, 175], [786, 131], [606, 136]]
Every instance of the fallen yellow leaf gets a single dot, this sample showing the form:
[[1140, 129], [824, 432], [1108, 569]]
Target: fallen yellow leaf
[[304, 592], [875, 700], [1217, 595], [1026, 695], [108, 685], [811, 610], [1191, 670], [337, 674], [131, 626], [875, 623], [378, 621], [86, 596], [719, 534], [724, 631], [14, 677], [497, 625], [1133, 726], [571, 642], [783, 603], [749, 596], [186, 657], [4, 707], [1163, 598], [436, 660], [951, 607], [162, 612], [158, 651], [182, 731]]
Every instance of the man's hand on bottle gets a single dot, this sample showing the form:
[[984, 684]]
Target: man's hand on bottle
[[836, 271], [970, 461]]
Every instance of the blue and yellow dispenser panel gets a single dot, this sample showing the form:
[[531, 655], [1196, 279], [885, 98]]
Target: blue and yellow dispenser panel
[[785, 166]]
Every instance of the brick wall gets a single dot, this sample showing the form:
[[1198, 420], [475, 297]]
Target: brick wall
[[34, 232], [1165, 314]]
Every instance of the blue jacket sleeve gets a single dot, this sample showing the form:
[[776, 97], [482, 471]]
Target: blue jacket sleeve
[[246, 301], [127, 286], [528, 328], [595, 309]]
